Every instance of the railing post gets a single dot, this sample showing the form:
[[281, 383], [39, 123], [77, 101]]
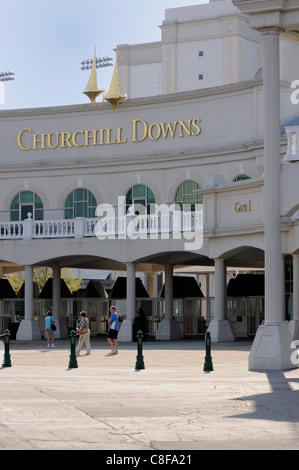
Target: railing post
[[79, 227], [6, 359], [28, 226]]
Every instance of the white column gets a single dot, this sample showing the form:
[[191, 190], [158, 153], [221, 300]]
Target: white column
[[205, 303], [271, 347], [220, 327], [273, 265], [294, 323], [168, 292], [168, 327], [61, 331], [150, 284], [28, 329], [131, 291], [126, 329], [28, 293], [220, 289]]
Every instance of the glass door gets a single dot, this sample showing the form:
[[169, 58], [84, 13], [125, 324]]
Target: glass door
[[190, 317]]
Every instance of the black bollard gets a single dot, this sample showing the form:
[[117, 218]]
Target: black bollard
[[6, 359], [208, 365], [73, 359], [139, 358]]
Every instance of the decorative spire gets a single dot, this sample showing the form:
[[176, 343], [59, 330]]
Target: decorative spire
[[113, 95], [91, 89]]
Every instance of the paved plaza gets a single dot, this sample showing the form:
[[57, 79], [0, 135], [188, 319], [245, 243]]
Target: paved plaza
[[105, 404]]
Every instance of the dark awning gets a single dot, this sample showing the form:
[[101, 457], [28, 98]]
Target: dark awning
[[245, 285], [47, 290], [94, 289], [6, 291], [21, 293], [119, 289], [183, 286]]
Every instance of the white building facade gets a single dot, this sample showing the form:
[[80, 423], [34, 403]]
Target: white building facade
[[201, 46], [178, 139]]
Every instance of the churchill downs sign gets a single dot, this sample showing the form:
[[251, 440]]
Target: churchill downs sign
[[140, 131]]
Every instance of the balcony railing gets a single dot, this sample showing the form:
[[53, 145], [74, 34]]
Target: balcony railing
[[106, 227]]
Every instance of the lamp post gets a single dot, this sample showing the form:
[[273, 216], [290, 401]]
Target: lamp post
[[6, 359], [208, 365], [73, 360], [139, 358]]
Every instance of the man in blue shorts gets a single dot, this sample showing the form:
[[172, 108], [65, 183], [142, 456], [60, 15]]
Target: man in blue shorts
[[113, 331]]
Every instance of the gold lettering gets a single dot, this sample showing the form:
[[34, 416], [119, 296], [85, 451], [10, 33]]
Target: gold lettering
[[85, 138], [119, 141], [19, 139], [183, 125], [145, 128], [198, 130], [169, 129], [242, 207], [158, 131], [36, 141], [108, 141], [93, 137], [101, 131], [74, 142], [57, 141], [65, 138]]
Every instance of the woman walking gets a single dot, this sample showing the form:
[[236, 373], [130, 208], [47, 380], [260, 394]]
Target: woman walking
[[84, 333], [49, 321]]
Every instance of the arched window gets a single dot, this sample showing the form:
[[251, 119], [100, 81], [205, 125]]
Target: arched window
[[185, 194], [139, 195], [241, 178], [26, 202], [80, 203]]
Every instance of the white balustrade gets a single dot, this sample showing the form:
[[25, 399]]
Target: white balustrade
[[107, 227], [11, 230]]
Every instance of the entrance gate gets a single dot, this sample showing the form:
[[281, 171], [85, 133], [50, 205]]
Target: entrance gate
[[193, 315], [196, 316], [245, 315]]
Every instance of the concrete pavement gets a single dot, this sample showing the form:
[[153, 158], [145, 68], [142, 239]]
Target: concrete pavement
[[105, 404]]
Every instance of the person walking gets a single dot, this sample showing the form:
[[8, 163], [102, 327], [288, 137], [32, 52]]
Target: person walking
[[139, 324], [113, 331], [49, 333], [84, 334]]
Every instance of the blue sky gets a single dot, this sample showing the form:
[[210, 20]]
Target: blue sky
[[44, 41]]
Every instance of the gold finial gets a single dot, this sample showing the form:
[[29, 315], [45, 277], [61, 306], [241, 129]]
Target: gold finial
[[91, 89], [113, 95]]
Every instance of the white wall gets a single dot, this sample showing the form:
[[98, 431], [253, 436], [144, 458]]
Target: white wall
[[145, 80]]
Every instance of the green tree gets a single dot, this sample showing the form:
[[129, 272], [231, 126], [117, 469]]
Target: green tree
[[41, 275]]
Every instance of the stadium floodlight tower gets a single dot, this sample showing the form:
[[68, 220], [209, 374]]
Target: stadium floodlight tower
[[6, 76], [100, 62]]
